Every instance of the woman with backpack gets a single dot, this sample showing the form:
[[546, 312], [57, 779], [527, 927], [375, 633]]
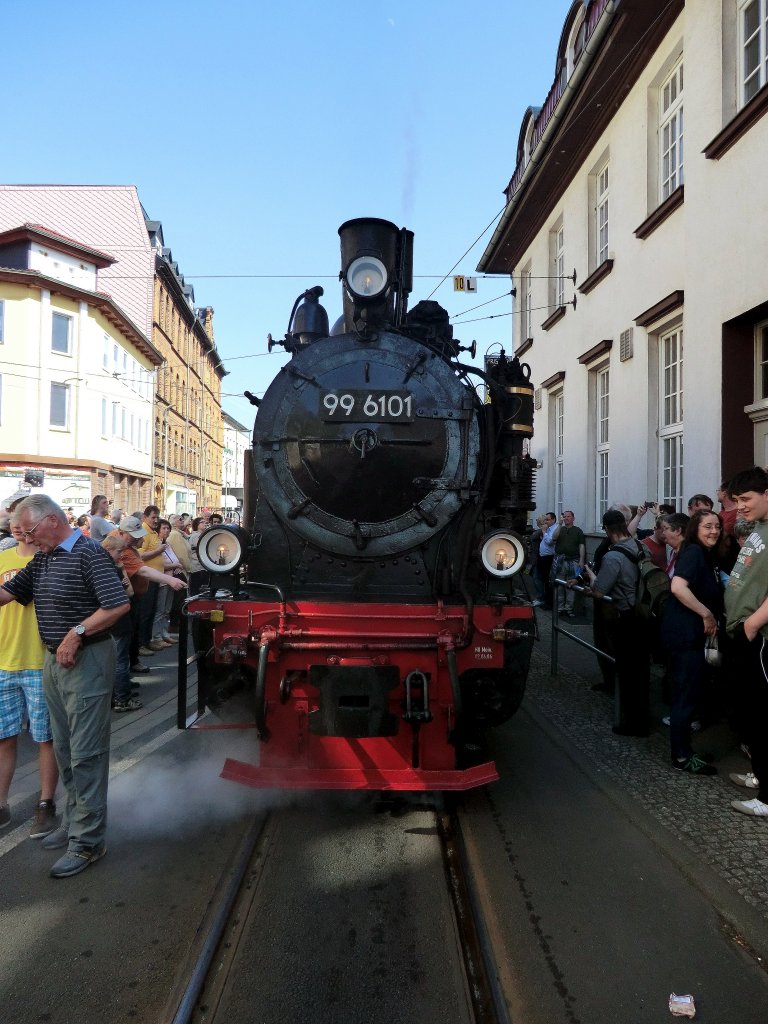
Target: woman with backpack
[[691, 614], [618, 579]]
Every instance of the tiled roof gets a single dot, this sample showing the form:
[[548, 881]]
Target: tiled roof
[[104, 217], [40, 231]]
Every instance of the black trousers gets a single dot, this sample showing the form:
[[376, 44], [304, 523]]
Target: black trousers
[[628, 639], [544, 568], [749, 671]]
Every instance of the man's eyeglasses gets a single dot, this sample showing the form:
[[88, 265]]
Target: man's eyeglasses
[[31, 533]]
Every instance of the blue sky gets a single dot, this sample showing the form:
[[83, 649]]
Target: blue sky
[[253, 130]]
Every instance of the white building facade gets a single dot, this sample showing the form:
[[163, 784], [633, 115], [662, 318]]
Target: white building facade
[[77, 378], [637, 247], [237, 441]]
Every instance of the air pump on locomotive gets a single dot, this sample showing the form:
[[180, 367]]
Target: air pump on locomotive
[[370, 620]]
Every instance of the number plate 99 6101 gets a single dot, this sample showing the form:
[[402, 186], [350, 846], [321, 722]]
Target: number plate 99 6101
[[356, 406]]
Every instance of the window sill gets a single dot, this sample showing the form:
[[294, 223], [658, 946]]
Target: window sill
[[597, 276], [738, 125], [758, 411], [524, 347], [552, 320], [660, 214]]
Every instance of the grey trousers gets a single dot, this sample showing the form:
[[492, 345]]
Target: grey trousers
[[79, 703]]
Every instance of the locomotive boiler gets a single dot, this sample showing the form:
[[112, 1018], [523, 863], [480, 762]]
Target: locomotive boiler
[[370, 620]]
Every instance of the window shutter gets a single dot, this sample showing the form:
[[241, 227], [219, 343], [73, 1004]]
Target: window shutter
[[537, 398], [625, 345]]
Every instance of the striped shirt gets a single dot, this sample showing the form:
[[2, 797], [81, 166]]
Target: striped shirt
[[67, 586]]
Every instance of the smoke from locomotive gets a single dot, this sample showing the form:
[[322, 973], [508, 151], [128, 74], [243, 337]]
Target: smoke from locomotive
[[371, 618]]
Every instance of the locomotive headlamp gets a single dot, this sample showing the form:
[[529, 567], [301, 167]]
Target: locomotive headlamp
[[366, 277], [222, 548], [502, 554]]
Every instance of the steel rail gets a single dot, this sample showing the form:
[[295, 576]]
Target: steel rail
[[488, 1003], [182, 1007]]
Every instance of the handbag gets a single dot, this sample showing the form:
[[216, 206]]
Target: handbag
[[712, 653]]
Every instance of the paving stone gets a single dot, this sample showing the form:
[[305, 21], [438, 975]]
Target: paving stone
[[697, 811]]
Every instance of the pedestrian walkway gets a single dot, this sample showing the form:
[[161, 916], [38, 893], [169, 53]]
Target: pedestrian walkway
[[695, 811]]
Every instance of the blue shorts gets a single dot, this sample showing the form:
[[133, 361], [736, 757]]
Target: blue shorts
[[19, 692]]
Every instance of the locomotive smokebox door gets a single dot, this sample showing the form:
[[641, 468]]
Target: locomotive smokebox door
[[366, 452], [354, 701]]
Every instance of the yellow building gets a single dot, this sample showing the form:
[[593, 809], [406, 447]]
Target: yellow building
[[189, 434], [144, 298], [76, 377]]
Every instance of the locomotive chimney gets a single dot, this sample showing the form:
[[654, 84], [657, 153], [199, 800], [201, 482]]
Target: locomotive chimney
[[377, 270]]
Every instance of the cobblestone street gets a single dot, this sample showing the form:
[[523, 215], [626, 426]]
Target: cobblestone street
[[699, 828]]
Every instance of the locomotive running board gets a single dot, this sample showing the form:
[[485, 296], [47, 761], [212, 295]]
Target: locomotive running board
[[413, 779]]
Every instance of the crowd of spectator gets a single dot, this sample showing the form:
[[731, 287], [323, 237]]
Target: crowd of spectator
[[711, 620]]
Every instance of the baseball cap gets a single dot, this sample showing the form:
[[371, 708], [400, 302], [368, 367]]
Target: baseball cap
[[132, 525], [613, 518]]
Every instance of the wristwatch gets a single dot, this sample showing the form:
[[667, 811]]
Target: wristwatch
[[80, 630]]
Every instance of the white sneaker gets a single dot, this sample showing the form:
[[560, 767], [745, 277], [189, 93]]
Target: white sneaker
[[749, 780], [754, 807], [695, 724], [537, 604]]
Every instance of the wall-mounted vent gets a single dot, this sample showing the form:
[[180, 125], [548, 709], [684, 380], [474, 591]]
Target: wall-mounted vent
[[625, 345], [537, 398]]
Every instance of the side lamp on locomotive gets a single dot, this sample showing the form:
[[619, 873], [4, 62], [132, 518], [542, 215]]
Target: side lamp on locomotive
[[222, 550], [374, 622]]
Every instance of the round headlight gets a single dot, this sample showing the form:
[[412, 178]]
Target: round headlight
[[366, 277], [502, 554], [220, 549]]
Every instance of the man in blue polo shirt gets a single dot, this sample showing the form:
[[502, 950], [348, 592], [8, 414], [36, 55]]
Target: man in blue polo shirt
[[78, 596]]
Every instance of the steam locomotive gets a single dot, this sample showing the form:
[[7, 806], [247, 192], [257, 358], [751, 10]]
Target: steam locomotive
[[370, 619]]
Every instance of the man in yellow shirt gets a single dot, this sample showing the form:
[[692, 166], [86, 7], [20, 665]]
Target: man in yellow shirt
[[21, 688]]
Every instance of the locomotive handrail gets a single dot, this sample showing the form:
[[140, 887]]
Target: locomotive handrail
[[557, 628]]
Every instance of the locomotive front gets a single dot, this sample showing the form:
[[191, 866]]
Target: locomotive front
[[372, 622]]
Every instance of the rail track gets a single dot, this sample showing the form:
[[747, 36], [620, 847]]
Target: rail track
[[410, 922]]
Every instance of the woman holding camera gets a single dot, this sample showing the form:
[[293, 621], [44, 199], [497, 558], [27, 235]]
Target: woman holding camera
[[691, 615]]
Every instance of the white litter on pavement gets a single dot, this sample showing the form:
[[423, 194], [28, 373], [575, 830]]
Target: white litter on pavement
[[682, 1006]]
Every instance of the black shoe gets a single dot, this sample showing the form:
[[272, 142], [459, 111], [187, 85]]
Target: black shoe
[[140, 670], [604, 688], [694, 765], [624, 730]]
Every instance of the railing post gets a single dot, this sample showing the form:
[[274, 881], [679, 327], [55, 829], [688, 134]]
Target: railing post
[[555, 631]]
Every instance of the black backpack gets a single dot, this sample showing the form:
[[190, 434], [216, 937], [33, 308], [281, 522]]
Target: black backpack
[[653, 586]]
